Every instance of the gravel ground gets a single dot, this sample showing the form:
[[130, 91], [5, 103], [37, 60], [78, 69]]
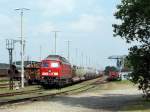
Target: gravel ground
[[89, 101]]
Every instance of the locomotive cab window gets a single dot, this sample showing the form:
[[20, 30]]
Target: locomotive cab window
[[45, 64]]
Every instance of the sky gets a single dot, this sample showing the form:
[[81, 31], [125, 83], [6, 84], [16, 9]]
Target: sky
[[87, 24]]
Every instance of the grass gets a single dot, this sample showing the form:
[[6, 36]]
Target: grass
[[114, 85], [6, 81], [28, 88], [141, 106], [45, 92]]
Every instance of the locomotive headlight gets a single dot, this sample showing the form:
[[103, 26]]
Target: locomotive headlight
[[55, 73], [54, 65]]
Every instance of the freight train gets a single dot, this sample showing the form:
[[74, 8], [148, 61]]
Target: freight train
[[56, 70]]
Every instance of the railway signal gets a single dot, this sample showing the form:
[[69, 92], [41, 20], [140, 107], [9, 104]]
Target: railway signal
[[10, 48], [76, 56]]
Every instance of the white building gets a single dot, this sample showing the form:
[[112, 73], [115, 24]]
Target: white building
[[125, 75]]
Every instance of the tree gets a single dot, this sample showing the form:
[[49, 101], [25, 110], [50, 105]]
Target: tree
[[134, 25], [140, 59], [127, 64]]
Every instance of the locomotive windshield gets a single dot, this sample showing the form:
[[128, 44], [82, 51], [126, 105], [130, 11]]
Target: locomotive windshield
[[45, 64]]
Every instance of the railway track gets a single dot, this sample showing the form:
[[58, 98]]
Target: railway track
[[20, 93], [39, 94]]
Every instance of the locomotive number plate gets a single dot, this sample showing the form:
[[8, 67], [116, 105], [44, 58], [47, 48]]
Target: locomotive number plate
[[45, 73]]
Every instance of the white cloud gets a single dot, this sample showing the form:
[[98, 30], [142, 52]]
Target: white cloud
[[56, 7], [8, 29], [87, 23], [43, 28], [8, 26]]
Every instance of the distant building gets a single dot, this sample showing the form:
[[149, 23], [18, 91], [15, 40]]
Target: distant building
[[124, 74], [4, 69]]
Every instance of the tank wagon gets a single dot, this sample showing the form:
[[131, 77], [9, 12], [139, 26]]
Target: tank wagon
[[85, 73], [78, 73], [91, 73]]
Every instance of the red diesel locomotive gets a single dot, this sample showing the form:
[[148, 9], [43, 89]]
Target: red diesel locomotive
[[55, 70], [113, 75]]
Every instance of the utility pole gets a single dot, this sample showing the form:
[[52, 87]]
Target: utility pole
[[89, 62], [68, 43], [82, 60], [15, 41], [40, 53], [15, 57], [86, 61], [76, 56], [55, 32], [22, 44]]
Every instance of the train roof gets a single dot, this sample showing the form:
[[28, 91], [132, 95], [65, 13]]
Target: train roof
[[4, 66], [53, 57], [18, 63], [57, 57]]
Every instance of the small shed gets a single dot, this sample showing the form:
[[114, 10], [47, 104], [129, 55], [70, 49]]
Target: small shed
[[4, 69]]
